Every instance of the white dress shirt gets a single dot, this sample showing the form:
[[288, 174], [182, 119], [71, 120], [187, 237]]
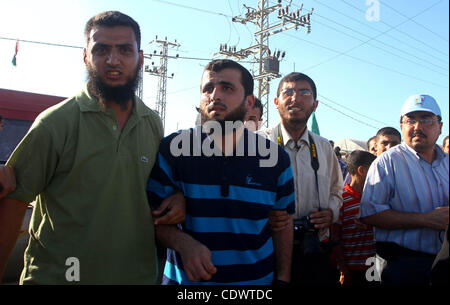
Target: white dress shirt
[[330, 182]]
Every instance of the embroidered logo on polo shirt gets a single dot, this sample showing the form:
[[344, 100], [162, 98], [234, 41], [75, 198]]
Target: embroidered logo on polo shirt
[[250, 181], [144, 159]]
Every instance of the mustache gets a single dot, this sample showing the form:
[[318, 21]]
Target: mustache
[[214, 104], [418, 133]]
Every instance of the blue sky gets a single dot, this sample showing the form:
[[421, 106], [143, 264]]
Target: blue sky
[[364, 69]]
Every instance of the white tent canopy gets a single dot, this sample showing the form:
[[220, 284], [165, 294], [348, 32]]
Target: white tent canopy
[[349, 145]]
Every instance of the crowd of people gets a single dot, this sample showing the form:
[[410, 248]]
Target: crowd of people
[[232, 203]]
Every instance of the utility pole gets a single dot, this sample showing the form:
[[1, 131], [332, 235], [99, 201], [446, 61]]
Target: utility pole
[[140, 89], [161, 72], [267, 63]]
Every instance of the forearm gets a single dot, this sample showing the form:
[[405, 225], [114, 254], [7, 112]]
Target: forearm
[[196, 257], [283, 242], [170, 236], [12, 213], [393, 220]]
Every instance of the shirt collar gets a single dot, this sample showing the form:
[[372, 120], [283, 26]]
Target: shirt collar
[[354, 193], [287, 137], [440, 154]]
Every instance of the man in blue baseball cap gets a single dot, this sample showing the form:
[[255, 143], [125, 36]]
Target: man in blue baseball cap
[[406, 196]]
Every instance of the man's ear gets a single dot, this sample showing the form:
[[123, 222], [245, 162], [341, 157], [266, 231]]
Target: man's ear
[[316, 103], [275, 101], [250, 101], [85, 56], [141, 59]]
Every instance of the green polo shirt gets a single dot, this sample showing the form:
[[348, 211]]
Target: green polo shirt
[[92, 223]]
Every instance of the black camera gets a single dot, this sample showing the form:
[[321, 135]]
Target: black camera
[[307, 235], [304, 224]]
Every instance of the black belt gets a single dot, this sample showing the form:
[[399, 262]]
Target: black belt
[[391, 250]]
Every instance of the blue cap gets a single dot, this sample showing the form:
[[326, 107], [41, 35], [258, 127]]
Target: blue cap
[[420, 102]]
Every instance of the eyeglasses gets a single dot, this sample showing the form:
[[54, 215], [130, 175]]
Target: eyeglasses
[[301, 92], [424, 122]]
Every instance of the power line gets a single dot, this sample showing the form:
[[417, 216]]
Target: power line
[[387, 51], [417, 23], [43, 43], [374, 38], [375, 29], [193, 8], [404, 33], [361, 60], [345, 114], [351, 110]]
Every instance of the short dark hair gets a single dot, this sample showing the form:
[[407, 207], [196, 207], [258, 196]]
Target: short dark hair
[[258, 105], [368, 141], [294, 77], [389, 131], [246, 78], [112, 19], [359, 158]]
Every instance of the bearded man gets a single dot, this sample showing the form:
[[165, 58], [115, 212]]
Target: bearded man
[[317, 179], [226, 238], [86, 161]]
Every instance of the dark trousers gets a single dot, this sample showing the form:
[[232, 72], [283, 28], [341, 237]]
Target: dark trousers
[[312, 269], [404, 266]]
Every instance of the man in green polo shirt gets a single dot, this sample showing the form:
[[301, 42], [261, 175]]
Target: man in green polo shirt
[[86, 161]]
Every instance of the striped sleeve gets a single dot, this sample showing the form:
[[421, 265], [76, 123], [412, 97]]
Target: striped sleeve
[[161, 183], [285, 199]]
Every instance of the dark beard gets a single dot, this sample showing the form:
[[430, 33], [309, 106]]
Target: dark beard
[[236, 115], [120, 95], [299, 122]]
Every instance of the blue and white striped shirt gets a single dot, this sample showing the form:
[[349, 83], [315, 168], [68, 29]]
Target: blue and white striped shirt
[[234, 226], [401, 180]]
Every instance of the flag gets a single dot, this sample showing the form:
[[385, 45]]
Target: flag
[[314, 125], [14, 60]]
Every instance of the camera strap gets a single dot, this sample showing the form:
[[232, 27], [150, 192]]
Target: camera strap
[[313, 154]]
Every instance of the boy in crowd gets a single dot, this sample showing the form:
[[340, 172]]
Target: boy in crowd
[[357, 242]]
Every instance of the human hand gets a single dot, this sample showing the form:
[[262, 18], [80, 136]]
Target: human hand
[[438, 218], [279, 220], [359, 225], [172, 210], [196, 259], [321, 219], [7, 180]]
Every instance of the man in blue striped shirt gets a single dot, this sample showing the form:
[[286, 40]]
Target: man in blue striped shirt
[[229, 188], [406, 195]]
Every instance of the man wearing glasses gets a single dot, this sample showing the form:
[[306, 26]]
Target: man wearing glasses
[[406, 196], [317, 179]]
